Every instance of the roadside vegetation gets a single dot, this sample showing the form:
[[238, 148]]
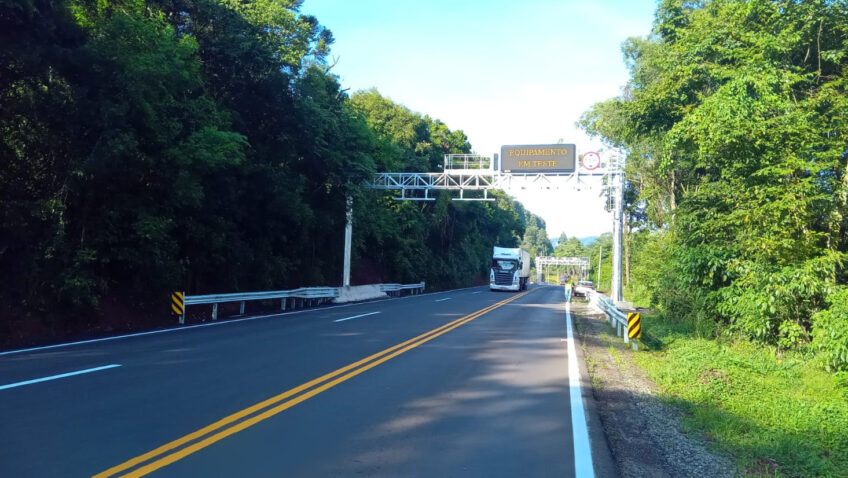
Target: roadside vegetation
[[736, 123], [204, 146], [775, 412], [735, 120]]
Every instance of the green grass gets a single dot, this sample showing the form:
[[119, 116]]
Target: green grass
[[616, 357], [776, 415]]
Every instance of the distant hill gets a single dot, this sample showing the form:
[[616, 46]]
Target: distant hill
[[588, 240], [585, 240]]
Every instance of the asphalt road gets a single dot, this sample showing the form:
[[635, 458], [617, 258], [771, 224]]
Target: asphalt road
[[482, 389]]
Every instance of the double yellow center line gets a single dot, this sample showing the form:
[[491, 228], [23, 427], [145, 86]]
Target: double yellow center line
[[171, 452]]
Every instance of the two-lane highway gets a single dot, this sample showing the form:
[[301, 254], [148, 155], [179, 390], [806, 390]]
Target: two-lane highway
[[460, 383]]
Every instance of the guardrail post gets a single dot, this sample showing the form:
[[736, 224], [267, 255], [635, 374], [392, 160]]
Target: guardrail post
[[283, 304], [214, 311], [241, 308], [178, 305]]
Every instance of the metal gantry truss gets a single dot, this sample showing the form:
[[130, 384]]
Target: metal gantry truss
[[572, 266], [456, 180], [542, 261], [475, 173], [468, 172]]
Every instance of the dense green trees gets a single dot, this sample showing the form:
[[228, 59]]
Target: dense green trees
[[570, 248], [444, 242], [535, 239], [735, 121], [203, 145]]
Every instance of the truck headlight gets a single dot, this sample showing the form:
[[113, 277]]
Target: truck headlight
[[515, 278]]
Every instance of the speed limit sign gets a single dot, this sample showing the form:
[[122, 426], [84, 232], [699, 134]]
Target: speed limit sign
[[591, 160]]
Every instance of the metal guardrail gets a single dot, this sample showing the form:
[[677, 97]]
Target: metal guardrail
[[304, 297], [616, 318], [413, 288]]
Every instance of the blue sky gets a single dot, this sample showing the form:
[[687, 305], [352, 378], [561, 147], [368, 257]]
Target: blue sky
[[505, 72]]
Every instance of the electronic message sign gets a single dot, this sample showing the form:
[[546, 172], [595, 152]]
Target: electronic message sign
[[538, 158]]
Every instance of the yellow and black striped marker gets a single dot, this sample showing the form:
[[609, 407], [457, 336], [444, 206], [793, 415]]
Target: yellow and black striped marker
[[634, 325], [177, 303]]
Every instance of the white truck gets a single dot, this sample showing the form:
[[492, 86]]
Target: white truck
[[510, 269]]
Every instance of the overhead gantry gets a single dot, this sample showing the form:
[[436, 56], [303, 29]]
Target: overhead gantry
[[539, 166], [569, 265], [478, 174]]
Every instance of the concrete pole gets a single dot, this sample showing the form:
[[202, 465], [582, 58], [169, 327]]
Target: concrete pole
[[348, 239], [600, 264], [618, 190]]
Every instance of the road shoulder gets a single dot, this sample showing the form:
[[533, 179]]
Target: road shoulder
[[644, 435], [602, 457]]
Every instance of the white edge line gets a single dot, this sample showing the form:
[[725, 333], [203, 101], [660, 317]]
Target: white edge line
[[356, 316], [223, 322], [54, 377], [580, 432]]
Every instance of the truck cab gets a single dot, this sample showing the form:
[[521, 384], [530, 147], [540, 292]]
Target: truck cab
[[510, 269]]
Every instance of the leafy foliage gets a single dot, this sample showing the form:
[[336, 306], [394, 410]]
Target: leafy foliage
[[777, 415], [735, 120], [570, 248], [535, 239], [830, 331], [204, 146], [443, 242]]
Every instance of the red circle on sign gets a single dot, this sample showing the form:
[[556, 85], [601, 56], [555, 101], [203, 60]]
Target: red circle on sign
[[591, 160]]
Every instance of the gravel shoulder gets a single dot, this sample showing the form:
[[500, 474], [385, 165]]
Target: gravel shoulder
[[644, 434]]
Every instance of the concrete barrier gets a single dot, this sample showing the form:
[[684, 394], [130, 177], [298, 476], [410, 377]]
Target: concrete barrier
[[359, 292]]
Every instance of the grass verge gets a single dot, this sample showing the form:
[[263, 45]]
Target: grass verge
[[776, 415]]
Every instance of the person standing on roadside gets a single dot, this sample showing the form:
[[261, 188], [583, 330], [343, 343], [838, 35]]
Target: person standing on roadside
[[569, 286]]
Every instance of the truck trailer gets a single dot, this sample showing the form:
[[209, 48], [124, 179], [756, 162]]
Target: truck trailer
[[510, 269]]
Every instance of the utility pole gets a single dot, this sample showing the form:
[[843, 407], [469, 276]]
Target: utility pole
[[618, 192], [600, 263], [348, 239]]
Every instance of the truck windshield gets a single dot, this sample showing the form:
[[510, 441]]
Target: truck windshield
[[504, 265]]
